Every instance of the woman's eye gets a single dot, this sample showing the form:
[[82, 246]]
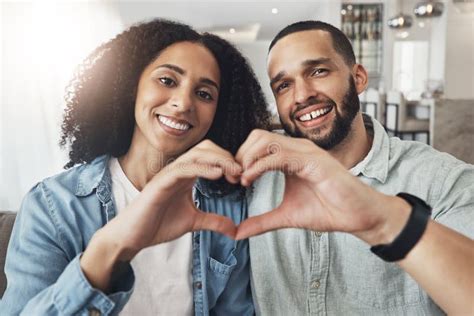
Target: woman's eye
[[167, 81], [205, 95], [281, 86]]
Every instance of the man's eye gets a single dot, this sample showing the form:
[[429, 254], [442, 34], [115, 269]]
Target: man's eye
[[319, 71], [281, 86], [205, 95], [167, 81]]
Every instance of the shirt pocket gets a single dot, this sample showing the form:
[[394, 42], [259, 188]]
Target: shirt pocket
[[218, 274]]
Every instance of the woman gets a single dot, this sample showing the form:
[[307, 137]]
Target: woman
[[136, 115]]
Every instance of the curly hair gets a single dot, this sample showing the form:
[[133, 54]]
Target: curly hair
[[100, 99]]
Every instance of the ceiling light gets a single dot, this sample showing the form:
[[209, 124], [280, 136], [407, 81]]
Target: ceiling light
[[275, 11], [400, 21], [428, 9], [231, 30]]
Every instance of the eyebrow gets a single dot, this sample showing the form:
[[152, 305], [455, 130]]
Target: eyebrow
[[306, 63], [181, 71]]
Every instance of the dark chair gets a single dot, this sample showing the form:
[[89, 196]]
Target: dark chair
[[6, 224]]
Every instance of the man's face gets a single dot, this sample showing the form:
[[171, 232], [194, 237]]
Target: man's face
[[314, 89]]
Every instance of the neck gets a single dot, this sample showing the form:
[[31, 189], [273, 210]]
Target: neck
[[355, 146], [142, 162]]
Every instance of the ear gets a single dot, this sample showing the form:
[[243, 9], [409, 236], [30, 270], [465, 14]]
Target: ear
[[360, 77]]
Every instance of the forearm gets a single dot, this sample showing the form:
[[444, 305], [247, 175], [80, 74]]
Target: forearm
[[442, 263], [99, 260]]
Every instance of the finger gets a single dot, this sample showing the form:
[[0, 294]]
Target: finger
[[185, 174], [210, 153], [251, 140], [216, 223], [267, 144], [260, 224], [231, 169], [289, 164]]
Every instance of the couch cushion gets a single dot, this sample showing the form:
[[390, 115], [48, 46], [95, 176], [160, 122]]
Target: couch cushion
[[6, 223]]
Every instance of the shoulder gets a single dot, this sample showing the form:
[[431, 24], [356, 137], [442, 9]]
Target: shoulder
[[419, 157], [441, 179], [79, 180], [62, 192], [55, 207]]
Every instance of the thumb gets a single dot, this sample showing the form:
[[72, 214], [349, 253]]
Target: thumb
[[216, 223], [260, 224]]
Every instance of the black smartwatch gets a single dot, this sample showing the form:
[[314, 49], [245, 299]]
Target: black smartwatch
[[410, 234]]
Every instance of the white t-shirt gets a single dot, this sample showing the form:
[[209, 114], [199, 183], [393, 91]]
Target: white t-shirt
[[163, 275]]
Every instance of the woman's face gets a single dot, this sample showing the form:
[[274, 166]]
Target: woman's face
[[176, 99]]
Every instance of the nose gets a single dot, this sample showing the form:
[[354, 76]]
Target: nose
[[183, 100], [303, 91]]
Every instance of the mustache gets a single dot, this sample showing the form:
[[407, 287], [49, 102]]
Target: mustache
[[311, 102]]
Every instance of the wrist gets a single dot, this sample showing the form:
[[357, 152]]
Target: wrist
[[99, 260], [393, 213], [411, 233]]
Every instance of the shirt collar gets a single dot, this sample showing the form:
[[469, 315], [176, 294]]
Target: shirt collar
[[94, 175], [375, 164]]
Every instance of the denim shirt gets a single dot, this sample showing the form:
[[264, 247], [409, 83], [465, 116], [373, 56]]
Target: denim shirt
[[56, 222], [300, 272]]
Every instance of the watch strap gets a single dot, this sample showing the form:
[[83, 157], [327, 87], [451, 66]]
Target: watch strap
[[410, 234]]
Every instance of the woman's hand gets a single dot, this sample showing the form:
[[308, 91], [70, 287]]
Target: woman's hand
[[163, 211]]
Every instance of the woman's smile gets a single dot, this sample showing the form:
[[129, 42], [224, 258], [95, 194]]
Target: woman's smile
[[173, 126]]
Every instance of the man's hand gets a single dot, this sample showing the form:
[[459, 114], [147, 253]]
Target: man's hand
[[320, 194]]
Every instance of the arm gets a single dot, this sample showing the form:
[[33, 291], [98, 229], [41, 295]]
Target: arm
[[321, 195], [163, 211], [442, 262], [43, 277]]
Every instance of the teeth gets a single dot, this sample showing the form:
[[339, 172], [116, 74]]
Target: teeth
[[314, 114], [170, 123], [305, 117]]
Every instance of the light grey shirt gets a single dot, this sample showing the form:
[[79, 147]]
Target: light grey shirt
[[298, 272]]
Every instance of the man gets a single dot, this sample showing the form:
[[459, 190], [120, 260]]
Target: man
[[339, 182]]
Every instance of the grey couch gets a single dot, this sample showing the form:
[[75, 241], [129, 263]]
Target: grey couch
[[6, 224]]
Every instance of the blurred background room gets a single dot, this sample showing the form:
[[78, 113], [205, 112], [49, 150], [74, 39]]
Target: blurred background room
[[419, 55]]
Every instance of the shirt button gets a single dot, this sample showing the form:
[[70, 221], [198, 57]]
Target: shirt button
[[315, 284], [198, 285], [319, 234]]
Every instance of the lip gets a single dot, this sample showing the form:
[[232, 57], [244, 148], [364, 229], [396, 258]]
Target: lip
[[172, 131]]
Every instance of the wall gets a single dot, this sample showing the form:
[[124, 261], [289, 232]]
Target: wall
[[256, 54], [459, 62]]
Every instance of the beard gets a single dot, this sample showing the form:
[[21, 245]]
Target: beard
[[341, 126]]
